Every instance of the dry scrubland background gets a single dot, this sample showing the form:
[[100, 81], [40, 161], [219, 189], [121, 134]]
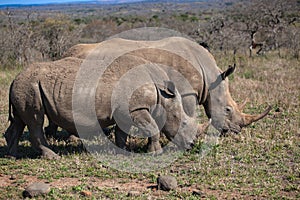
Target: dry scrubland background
[[261, 162]]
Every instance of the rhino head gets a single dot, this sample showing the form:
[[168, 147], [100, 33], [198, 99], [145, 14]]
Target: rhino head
[[178, 127], [226, 115]]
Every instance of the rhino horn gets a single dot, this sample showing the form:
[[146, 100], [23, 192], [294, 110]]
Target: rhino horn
[[248, 119], [242, 106]]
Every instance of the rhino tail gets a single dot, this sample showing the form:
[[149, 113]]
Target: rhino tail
[[10, 105], [42, 96]]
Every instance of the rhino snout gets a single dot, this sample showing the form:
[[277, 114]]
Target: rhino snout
[[190, 145], [231, 127], [187, 139], [183, 142]]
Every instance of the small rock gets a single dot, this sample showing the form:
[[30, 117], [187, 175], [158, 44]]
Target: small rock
[[166, 183], [133, 193], [86, 193], [36, 189]]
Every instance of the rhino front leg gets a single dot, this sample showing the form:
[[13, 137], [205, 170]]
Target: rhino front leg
[[38, 141], [12, 135], [120, 137], [144, 121]]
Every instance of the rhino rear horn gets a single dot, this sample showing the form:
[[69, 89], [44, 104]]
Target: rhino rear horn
[[242, 106], [229, 71]]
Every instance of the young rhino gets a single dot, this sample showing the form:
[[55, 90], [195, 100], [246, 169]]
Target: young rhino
[[48, 88]]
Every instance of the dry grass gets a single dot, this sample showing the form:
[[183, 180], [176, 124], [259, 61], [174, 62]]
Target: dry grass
[[262, 162]]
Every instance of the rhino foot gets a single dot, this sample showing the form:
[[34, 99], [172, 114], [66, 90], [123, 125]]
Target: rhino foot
[[12, 153], [12, 157], [49, 154], [155, 148]]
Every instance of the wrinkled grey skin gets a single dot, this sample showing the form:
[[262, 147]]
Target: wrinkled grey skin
[[46, 89]]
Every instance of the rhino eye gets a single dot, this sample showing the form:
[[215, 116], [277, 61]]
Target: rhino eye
[[228, 110]]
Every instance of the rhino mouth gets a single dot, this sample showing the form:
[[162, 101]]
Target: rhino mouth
[[235, 130], [226, 131], [183, 143], [231, 127]]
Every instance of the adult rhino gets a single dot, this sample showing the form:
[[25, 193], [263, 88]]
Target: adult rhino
[[193, 70], [154, 103]]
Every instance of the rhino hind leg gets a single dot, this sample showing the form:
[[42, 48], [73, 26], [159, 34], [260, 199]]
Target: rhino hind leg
[[12, 135], [39, 142]]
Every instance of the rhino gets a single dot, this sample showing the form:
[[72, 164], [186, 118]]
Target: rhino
[[47, 88], [189, 66], [195, 73]]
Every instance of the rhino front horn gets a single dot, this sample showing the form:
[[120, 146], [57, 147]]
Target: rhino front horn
[[248, 119]]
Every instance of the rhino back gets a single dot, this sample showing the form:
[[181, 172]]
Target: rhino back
[[80, 50], [188, 79], [198, 56], [186, 57]]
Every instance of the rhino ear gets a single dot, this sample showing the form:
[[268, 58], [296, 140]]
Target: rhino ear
[[229, 71], [168, 88]]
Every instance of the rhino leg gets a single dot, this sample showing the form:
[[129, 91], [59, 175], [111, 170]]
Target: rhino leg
[[39, 142], [13, 134], [50, 130], [120, 137], [144, 121]]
